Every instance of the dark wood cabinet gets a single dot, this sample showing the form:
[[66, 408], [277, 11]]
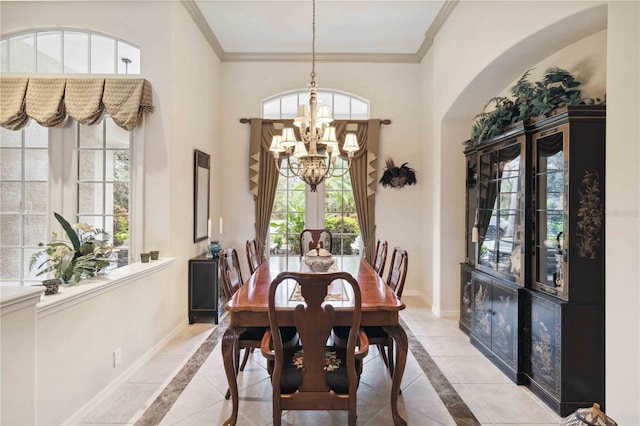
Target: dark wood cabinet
[[538, 239], [205, 297], [496, 323]]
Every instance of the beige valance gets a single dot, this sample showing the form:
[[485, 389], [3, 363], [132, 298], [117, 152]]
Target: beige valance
[[50, 100]]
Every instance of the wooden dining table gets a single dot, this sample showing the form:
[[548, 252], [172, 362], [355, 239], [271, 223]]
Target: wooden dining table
[[249, 308]]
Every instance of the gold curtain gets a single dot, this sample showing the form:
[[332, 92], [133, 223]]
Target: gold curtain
[[50, 100], [263, 175], [263, 178]]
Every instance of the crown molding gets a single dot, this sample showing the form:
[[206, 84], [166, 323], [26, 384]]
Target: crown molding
[[438, 22], [320, 57], [203, 26], [417, 57]]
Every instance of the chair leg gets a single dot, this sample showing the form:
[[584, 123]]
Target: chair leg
[[384, 355], [390, 354], [247, 351], [236, 362]]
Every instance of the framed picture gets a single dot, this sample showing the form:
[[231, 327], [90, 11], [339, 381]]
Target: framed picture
[[201, 196]]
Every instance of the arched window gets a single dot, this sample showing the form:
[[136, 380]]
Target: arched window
[[333, 205], [68, 51], [36, 180]]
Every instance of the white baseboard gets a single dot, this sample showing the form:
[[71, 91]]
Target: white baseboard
[[94, 402], [447, 314]]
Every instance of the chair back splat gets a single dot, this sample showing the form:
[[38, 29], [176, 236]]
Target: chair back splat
[[381, 256], [314, 376], [315, 236], [230, 272], [253, 258], [398, 272]]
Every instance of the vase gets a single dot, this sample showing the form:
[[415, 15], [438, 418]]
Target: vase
[[51, 286], [215, 248]]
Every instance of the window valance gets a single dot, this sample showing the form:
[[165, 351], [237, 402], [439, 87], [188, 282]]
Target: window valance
[[50, 100]]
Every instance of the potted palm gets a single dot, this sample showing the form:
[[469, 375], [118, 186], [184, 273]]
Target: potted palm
[[82, 256]]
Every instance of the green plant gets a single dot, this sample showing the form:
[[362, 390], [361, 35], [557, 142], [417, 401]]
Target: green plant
[[120, 226], [556, 89], [83, 256]]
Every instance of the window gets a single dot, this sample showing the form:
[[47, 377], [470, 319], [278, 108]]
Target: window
[[103, 187], [24, 200], [83, 172], [69, 52], [333, 205]]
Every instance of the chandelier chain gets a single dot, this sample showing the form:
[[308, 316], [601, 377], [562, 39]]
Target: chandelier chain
[[313, 43]]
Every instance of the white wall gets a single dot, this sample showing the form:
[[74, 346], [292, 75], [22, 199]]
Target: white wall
[[393, 91], [186, 116], [623, 214], [524, 35]]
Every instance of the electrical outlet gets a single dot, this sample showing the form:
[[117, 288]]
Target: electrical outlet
[[117, 357]]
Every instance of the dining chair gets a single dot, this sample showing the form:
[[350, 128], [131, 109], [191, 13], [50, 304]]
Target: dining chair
[[381, 256], [377, 336], [312, 375], [253, 258], [315, 236], [231, 277]]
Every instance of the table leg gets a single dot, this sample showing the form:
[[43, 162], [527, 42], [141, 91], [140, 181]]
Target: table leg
[[402, 347], [229, 344]]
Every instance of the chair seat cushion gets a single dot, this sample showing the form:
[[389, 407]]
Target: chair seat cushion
[[256, 333], [335, 359]]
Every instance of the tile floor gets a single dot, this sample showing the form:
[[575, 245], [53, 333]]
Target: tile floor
[[491, 396]]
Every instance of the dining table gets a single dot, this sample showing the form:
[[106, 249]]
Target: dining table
[[249, 307]]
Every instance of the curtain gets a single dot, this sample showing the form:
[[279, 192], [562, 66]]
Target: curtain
[[363, 175], [491, 167], [263, 178], [50, 100], [263, 175]]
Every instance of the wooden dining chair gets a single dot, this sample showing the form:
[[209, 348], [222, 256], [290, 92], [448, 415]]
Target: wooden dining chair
[[377, 336], [315, 236], [253, 258], [231, 277], [381, 256], [314, 376], [395, 280]]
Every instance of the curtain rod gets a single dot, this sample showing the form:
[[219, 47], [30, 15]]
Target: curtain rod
[[248, 120]]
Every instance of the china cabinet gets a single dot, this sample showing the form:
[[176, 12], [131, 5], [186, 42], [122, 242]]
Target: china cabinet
[[535, 237]]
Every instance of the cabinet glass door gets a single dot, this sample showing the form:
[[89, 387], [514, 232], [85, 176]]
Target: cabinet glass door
[[500, 218], [550, 207]]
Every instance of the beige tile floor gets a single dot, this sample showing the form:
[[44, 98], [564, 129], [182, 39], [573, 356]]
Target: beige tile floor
[[490, 395]]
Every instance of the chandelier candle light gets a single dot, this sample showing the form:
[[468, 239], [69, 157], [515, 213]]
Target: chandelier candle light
[[314, 123]]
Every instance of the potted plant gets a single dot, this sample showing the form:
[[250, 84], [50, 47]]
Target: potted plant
[[82, 256]]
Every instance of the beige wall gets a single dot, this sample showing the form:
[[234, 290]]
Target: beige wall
[[392, 89]]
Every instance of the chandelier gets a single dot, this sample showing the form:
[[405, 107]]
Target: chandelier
[[315, 129]]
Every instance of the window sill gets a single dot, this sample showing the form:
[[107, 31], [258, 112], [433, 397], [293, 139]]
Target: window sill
[[71, 295]]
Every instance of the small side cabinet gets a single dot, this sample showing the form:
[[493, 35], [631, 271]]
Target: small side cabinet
[[205, 298]]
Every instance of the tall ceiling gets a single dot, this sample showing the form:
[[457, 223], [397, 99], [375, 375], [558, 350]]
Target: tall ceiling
[[391, 30]]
